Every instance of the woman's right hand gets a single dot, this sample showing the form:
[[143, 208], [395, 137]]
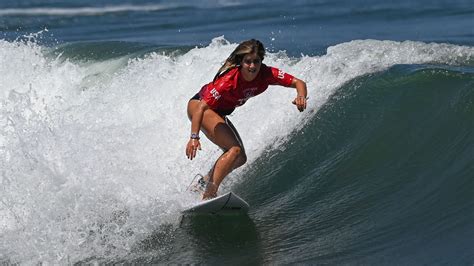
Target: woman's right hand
[[192, 147]]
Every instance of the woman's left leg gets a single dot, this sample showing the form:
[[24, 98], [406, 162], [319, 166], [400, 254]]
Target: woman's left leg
[[227, 138], [240, 160]]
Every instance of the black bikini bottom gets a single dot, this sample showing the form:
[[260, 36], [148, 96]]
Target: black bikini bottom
[[218, 111]]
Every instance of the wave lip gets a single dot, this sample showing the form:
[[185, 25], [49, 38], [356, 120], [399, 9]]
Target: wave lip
[[79, 11]]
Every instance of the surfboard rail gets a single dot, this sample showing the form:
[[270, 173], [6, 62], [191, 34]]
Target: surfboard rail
[[226, 203]]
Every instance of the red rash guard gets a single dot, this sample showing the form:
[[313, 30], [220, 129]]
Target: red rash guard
[[231, 90]]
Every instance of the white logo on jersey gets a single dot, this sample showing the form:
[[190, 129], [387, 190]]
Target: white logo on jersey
[[248, 93], [281, 74], [215, 94]]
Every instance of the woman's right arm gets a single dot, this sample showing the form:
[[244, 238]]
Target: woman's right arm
[[196, 121]]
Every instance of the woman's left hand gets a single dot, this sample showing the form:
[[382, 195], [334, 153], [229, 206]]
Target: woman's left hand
[[300, 102], [301, 92]]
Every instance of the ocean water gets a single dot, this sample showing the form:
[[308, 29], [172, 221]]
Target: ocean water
[[379, 170]]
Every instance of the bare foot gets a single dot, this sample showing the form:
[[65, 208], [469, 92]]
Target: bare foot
[[211, 191]]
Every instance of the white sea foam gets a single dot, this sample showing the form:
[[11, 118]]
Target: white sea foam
[[110, 9], [79, 11], [92, 160]]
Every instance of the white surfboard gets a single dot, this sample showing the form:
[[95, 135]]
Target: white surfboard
[[227, 203]]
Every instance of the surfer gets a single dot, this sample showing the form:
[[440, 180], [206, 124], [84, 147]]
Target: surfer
[[242, 76]]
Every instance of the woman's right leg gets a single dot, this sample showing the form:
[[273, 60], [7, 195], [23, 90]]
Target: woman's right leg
[[219, 132]]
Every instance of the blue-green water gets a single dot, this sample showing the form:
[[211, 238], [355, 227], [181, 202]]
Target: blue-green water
[[378, 171]]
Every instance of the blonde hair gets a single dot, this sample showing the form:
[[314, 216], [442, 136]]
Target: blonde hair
[[235, 58]]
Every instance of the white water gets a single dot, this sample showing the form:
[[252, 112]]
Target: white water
[[78, 11], [109, 9], [92, 160]]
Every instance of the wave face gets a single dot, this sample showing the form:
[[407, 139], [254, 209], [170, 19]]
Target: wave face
[[381, 175], [378, 170]]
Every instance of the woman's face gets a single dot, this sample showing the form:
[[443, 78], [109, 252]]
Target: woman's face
[[250, 66]]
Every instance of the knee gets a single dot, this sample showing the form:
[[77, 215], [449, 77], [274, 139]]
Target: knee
[[235, 151], [238, 154]]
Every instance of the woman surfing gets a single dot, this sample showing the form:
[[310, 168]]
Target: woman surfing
[[242, 76]]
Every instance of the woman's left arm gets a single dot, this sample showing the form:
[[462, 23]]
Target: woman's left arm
[[301, 94]]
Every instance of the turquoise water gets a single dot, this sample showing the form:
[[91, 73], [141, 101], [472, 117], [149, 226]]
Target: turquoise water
[[378, 170]]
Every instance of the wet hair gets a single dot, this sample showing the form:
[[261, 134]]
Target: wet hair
[[236, 57]]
